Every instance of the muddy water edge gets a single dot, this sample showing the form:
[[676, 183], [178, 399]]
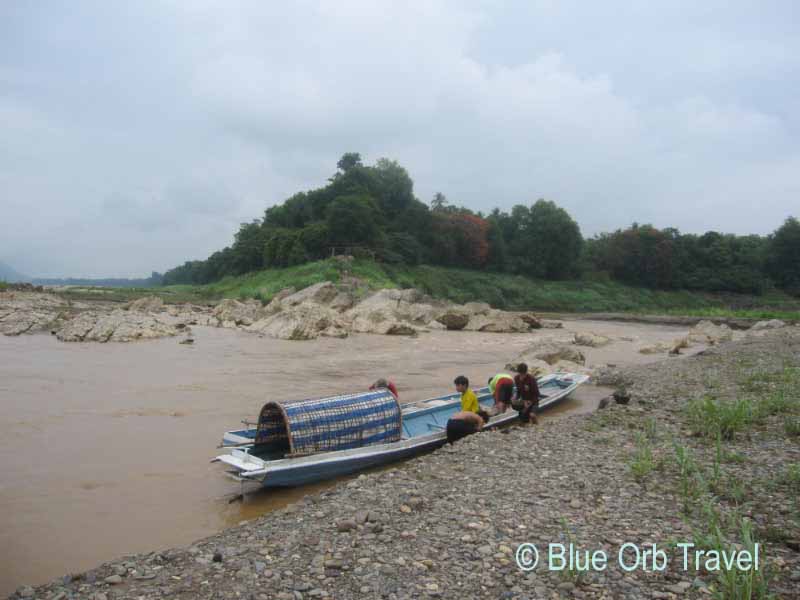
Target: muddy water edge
[[105, 448]]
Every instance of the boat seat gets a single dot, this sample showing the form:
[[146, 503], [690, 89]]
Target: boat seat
[[436, 427]]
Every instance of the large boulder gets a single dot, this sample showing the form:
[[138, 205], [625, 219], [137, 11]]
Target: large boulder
[[343, 301], [188, 314], [454, 319], [588, 338], [318, 293], [531, 319], [678, 345], [477, 308], [383, 326], [657, 348], [705, 332], [148, 304], [276, 304], [116, 326], [497, 321], [551, 353], [396, 305], [232, 313], [305, 321]]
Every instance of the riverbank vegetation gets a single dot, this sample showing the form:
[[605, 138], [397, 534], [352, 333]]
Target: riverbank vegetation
[[707, 457], [501, 290], [371, 211]]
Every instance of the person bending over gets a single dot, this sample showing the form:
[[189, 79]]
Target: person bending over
[[469, 401], [502, 388], [385, 384], [465, 423]]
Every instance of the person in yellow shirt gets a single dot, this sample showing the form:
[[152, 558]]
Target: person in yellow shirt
[[469, 401]]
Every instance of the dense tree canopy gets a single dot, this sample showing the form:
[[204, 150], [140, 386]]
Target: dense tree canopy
[[784, 255], [374, 207]]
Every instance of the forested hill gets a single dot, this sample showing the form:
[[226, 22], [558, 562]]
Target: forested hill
[[372, 211]]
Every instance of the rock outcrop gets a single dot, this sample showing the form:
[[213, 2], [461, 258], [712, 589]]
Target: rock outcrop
[[301, 322], [771, 324], [705, 332], [148, 304], [550, 353], [394, 312], [116, 326], [536, 367], [232, 313], [454, 319], [532, 320], [322, 309], [27, 312], [328, 309], [590, 339], [497, 321], [658, 348]]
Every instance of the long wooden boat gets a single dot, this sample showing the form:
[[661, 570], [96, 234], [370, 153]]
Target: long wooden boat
[[303, 442]]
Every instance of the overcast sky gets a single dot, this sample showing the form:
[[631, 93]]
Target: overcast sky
[[137, 135]]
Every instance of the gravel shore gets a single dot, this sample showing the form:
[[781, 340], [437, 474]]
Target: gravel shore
[[448, 524]]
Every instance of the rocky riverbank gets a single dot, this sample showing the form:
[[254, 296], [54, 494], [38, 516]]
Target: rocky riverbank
[[323, 309], [448, 524], [328, 310]]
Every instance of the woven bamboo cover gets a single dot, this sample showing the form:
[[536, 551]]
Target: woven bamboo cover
[[334, 423]]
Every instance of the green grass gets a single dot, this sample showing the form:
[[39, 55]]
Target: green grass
[[792, 427], [720, 419], [642, 462], [3, 285], [174, 295], [761, 314], [511, 292], [791, 477], [733, 584]]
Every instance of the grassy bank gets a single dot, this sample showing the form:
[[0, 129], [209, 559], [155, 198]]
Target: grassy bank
[[500, 290], [729, 501]]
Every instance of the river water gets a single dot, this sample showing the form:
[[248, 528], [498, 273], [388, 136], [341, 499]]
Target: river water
[[105, 448]]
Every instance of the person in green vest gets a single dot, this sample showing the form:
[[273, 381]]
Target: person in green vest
[[502, 388]]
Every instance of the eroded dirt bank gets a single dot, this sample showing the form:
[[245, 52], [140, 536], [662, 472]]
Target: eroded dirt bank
[[447, 524]]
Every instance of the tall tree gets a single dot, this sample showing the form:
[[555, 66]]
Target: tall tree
[[439, 201], [349, 161], [354, 220], [783, 259]]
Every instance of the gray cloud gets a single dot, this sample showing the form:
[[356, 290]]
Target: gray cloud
[[136, 137]]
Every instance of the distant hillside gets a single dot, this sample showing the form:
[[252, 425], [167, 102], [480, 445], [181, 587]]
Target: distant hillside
[[10, 275]]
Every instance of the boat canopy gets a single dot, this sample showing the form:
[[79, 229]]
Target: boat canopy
[[325, 424]]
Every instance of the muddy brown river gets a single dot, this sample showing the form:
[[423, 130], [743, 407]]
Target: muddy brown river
[[105, 448]]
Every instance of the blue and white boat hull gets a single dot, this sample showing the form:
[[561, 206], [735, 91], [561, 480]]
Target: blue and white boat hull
[[423, 430]]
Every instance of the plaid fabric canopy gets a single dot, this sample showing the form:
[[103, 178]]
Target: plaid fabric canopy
[[334, 423]]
